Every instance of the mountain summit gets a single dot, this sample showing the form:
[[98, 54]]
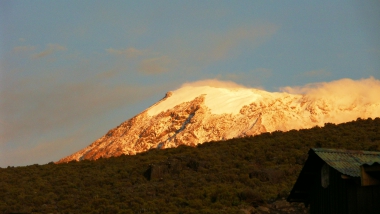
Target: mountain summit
[[195, 114]]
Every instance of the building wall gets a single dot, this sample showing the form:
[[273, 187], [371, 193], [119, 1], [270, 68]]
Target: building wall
[[343, 196], [364, 200], [332, 199]]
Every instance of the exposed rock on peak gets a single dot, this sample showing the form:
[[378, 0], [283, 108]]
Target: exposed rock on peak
[[196, 114]]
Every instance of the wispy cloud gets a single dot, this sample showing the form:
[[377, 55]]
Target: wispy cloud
[[25, 48], [109, 73], [197, 50], [222, 45], [128, 52], [50, 49], [146, 61], [38, 104], [156, 65], [44, 152], [208, 48]]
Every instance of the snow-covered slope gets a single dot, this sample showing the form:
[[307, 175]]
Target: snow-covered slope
[[218, 100], [195, 114]]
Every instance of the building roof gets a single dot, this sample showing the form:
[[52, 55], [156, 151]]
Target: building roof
[[347, 162]]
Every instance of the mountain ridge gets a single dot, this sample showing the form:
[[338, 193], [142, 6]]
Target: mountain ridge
[[192, 115]]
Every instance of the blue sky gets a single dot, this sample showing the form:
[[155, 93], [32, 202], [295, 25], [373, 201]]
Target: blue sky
[[72, 70]]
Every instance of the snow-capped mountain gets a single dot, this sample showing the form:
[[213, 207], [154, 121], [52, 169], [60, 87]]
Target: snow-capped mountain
[[196, 114]]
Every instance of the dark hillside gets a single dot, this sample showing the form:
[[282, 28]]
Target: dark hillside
[[245, 175]]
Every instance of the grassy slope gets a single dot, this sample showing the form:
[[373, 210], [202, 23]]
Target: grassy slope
[[215, 177]]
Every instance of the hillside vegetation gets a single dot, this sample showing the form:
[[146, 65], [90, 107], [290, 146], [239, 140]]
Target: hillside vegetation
[[235, 176]]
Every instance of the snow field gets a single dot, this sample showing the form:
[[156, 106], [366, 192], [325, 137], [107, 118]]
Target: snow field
[[219, 100]]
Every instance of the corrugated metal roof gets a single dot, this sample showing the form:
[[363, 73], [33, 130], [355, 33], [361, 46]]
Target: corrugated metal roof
[[347, 162]]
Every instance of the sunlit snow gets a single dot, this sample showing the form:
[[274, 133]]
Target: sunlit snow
[[219, 100]]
